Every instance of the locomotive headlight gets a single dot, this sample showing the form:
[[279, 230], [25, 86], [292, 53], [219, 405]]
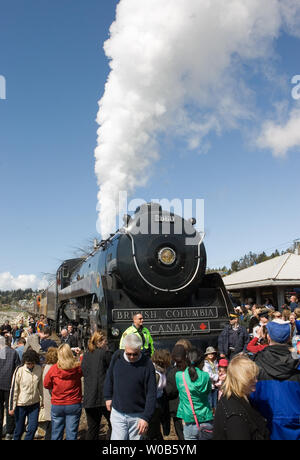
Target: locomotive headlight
[[115, 332], [167, 256]]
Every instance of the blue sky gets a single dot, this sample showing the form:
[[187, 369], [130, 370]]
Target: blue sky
[[52, 58]]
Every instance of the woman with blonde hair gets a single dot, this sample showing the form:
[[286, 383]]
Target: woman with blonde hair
[[185, 343], [64, 381], [235, 418], [94, 366]]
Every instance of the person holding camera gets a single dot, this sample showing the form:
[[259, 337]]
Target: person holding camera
[[260, 342]]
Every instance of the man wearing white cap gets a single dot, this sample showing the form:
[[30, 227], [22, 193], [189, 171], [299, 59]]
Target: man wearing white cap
[[277, 394]]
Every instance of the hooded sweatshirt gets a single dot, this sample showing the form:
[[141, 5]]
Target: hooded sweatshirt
[[64, 384], [277, 395]]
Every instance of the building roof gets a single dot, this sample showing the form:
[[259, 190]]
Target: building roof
[[281, 270]]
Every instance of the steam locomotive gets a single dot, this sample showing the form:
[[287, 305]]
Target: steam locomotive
[[155, 265]]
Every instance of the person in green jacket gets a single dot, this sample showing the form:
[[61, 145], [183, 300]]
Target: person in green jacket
[[199, 386], [138, 328]]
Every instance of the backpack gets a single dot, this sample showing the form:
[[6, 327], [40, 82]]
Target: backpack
[[18, 333]]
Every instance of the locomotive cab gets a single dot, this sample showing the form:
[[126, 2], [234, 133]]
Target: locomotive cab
[[65, 271]]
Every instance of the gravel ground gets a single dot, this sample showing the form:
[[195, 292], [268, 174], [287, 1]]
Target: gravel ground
[[103, 430]]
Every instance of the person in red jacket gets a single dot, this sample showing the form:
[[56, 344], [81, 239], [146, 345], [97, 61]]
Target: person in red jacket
[[64, 381], [260, 342]]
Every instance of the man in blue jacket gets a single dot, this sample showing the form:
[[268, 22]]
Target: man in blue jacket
[[233, 339], [130, 390], [277, 394]]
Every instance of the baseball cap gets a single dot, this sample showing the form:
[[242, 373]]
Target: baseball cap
[[223, 363], [279, 330]]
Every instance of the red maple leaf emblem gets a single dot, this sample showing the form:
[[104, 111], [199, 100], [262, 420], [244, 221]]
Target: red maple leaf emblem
[[202, 326]]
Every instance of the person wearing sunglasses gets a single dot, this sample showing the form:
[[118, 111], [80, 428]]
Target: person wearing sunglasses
[[130, 390]]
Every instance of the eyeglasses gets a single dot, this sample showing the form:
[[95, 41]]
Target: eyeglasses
[[132, 354]]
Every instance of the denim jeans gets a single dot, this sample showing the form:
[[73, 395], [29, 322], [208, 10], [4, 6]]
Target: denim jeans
[[10, 419], [213, 398], [192, 433], [65, 417], [124, 426], [32, 414]]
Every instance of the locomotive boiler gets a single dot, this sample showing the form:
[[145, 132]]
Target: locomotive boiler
[[155, 265]]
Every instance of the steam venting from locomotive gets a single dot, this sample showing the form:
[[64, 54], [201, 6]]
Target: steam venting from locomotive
[[177, 67]]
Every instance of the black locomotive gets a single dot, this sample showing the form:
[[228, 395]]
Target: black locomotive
[[155, 265]]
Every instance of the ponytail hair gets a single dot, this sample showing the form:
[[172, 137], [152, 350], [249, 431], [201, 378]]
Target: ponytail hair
[[98, 339], [194, 359]]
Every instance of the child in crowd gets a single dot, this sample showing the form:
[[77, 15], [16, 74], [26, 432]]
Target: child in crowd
[[222, 372], [211, 367], [26, 394]]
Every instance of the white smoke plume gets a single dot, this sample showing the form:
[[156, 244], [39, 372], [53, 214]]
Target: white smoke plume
[[10, 283], [177, 67]]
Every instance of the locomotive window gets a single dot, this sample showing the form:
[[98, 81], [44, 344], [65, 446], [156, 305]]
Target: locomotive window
[[65, 272]]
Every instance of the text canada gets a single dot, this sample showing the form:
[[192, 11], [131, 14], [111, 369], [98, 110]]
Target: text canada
[[178, 328]]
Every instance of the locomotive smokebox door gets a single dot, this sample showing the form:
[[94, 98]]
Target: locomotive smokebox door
[[155, 261]]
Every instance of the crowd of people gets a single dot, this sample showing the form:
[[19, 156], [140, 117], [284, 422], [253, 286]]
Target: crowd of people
[[245, 387]]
